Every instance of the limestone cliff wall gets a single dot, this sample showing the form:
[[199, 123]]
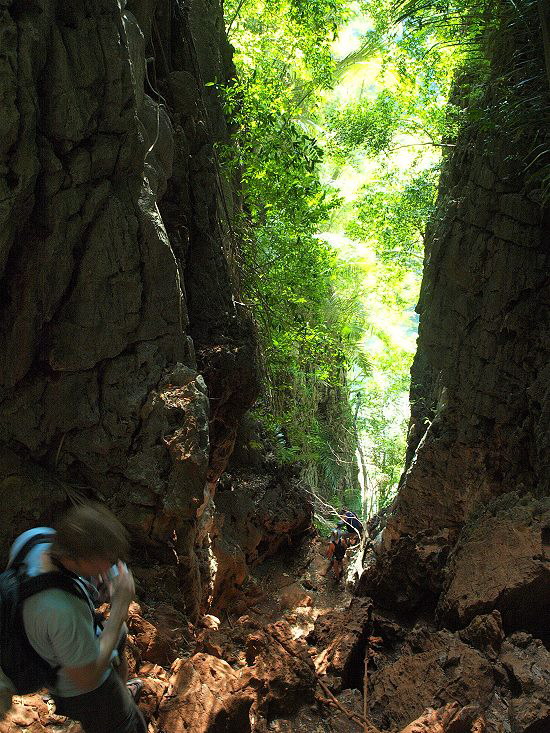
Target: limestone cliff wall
[[125, 356], [480, 392]]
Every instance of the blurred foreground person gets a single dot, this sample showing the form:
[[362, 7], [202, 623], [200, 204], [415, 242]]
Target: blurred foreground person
[[55, 608]]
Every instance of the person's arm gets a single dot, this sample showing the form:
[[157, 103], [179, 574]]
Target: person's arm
[[87, 676], [330, 550]]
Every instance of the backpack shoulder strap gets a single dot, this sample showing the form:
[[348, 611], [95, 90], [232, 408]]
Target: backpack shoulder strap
[[27, 546], [30, 586], [67, 581]]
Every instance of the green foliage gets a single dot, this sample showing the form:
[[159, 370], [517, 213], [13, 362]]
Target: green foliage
[[384, 433], [392, 215], [307, 333], [331, 316], [364, 124]]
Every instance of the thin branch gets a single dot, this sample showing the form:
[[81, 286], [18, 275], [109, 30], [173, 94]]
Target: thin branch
[[235, 16], [410, 145], [365, 688]]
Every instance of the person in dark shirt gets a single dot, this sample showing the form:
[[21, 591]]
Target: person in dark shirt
[[353, 526], [336, 551]]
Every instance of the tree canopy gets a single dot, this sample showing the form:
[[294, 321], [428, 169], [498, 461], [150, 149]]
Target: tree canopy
[[341, 112]]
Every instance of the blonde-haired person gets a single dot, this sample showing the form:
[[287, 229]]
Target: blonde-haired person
[[87, 541]]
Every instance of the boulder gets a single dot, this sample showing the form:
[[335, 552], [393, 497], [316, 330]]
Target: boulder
[[433, 669], [502, 561], [205, 694], [527, 663], [159, 642]]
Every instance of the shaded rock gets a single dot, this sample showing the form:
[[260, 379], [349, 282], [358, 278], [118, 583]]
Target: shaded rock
[[256, 515], [527, 663], [407, 576], [27, 489], [340, 638], [352, 701], [434, 668], [114, 203], [159, 642], [513, 576], [480, 379], [485, 633]]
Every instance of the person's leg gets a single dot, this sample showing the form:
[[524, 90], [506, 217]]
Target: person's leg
[[105, 710]]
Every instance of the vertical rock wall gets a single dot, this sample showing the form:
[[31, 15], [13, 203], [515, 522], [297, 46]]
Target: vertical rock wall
[[480, 392], [125, 357]]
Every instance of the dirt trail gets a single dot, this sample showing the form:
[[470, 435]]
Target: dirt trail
[[296, 587], [259, 668]]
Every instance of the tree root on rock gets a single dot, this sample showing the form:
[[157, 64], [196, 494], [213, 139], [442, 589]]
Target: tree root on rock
[[449, 719], [333, 701]]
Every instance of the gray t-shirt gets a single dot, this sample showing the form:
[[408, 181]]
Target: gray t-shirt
[[59, 625]]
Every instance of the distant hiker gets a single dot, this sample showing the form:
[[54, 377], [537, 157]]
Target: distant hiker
[[59, 620], [336, 551], [353, 525]]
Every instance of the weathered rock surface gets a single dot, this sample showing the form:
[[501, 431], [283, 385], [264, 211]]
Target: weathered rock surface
[[527, 663], [275, 677], [125, 360], [433, 669], [406, 576], [513, 576], [257, 513], [496, 683], [340, 639]]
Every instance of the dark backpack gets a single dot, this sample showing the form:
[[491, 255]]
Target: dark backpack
[[18, 659], [339, 549]]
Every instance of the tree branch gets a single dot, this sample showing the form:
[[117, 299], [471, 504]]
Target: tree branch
[[235, 16]]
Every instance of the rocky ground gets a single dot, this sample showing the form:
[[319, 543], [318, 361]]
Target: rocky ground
[[290, 656]]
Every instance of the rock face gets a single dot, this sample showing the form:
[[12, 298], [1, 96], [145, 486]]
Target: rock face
[[513, 577], [496, 683], [464, 553], [257, 513], [125, 361], [479, 445]]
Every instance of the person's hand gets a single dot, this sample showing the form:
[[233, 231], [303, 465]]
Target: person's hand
[[123, 588]]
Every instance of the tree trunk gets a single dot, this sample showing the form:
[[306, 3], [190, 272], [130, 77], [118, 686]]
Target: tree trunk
[[544, 12]]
